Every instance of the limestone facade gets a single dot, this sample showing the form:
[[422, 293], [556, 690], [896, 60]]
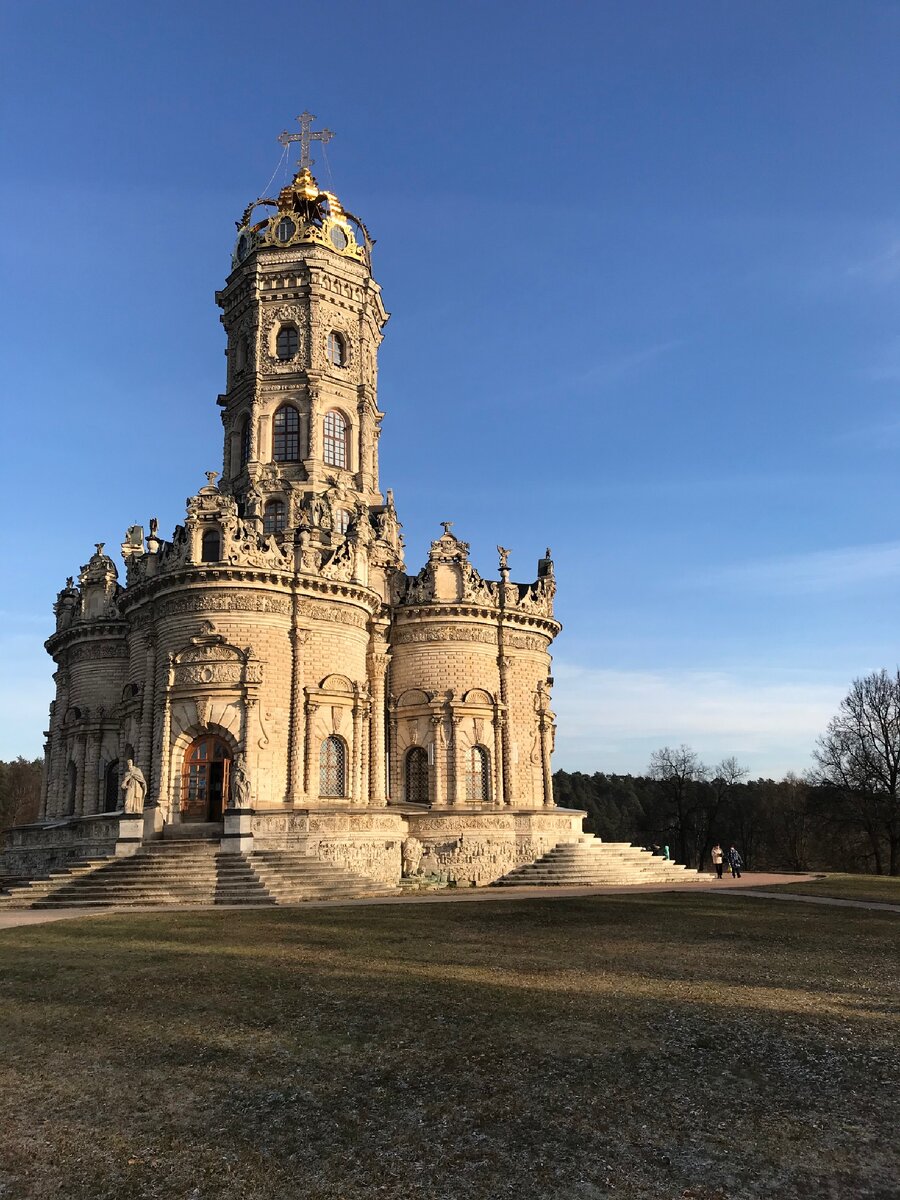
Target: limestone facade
[[272, 668]]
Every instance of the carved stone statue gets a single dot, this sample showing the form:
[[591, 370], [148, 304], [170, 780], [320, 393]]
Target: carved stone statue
[[240, 784], [411, 851], [134, 786]]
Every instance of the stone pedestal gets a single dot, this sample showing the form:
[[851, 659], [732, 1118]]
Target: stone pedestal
[[153, 822], [131, 834], [237, 835]]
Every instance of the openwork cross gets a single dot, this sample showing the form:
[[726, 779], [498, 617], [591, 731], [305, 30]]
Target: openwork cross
[[304, 137]]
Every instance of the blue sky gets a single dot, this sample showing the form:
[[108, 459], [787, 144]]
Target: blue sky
[[643, 262]]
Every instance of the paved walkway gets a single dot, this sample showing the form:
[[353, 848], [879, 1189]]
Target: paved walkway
[[747, 885]]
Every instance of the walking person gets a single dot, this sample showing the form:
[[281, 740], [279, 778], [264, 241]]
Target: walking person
[[718, 859], [735, 862]]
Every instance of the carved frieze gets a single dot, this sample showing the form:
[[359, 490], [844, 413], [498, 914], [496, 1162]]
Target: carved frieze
[[217, 601]]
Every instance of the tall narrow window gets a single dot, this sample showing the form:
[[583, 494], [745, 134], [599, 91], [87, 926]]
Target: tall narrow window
[[245, 440], [333, 768], [417, 776], [71, 786], [286, 343], [337, 349], [211, 546], [342, 520], [478, 774], [274, 516], [335, 450], [286, 434]]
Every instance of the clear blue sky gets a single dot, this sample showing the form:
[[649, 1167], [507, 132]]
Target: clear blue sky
[[643, 261]]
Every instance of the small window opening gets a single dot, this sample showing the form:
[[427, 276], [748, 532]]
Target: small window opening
[[211, 546], [337, 349], [274, 516], [286, 343]]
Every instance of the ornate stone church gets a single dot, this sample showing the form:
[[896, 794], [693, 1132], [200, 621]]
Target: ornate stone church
[[273, 674]]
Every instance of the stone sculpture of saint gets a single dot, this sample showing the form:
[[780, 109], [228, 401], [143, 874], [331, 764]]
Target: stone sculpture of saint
[[134, 786], [240, 784], [412, 856]]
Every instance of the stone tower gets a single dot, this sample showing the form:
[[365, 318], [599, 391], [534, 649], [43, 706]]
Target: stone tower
[[272, 669]]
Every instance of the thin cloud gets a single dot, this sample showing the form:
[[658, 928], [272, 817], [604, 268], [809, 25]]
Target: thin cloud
[[815, 572], [612, 720], [615, 369]]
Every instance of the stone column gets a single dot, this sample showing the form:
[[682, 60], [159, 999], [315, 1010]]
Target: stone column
[[91, 768], [144, 749], [311, 710], [378, 791], [457, 775], [297, 734], [356, 752], [505, 663], [171, 812], [439, 792], [80, 753], [499, 721], [315, 426], [547, 727], [56, 791]]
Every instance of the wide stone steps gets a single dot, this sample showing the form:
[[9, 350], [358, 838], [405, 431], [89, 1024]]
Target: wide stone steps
[[291, 876], [588, 862], [24, 893], [194, 872]]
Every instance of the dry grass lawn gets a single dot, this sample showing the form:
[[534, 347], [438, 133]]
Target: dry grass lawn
[[655, 1046], [882, 889]]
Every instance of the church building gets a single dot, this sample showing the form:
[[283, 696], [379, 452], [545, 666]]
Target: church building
[[272, 673]]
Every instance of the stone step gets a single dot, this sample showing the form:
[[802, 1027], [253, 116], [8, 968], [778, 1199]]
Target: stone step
[[589, 862]]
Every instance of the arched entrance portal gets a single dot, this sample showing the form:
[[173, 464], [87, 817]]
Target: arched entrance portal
[[204, 779]]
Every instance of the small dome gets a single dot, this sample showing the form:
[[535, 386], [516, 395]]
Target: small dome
[[303, 214]]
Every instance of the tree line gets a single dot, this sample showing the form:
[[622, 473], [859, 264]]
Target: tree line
[[842, 815], [20, 791]]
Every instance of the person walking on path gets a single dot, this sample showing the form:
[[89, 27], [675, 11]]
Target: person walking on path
[[718, 859], [735, 862]]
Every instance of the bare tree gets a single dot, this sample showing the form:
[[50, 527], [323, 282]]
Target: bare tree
[[859, 757], [725, 775], [677, 772]]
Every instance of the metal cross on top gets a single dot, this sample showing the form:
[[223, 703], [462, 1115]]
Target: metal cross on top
[[304, 137]]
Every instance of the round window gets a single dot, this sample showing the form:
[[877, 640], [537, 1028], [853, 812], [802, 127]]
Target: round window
[[338, 238]]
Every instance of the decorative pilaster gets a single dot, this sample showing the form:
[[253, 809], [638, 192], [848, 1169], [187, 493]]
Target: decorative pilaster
[[499, 722], [165, 789], [378, 665], [80, 754], [505, 663], [458, 777], [91, 769], [311, 710], [439, 791], [356, 752], [45, 779], [144, 750], [297, 737]]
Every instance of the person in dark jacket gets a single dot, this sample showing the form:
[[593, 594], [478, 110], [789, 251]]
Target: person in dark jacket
[[735, 862]]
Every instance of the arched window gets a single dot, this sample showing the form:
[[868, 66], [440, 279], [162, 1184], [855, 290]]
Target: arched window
[[111, 786], [285, 229], [286, 434], [274, 516], [211, 546], [333, 768], [342, 519], [204, 779], [242, 352], [478, 782], [245, 440], [335, 450], [337, 349], [417, 776], [71, 786], [286, 343]]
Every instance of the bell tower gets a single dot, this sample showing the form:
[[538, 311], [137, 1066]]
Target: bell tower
[[304, 319]]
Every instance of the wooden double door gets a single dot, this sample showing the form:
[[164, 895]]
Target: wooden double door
[[205, 779]]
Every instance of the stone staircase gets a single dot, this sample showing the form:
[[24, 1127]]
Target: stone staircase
[[290, 877], [191, 871], [589, 862], [26, 893]]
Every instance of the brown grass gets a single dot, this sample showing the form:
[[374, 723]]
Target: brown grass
[[657, 1046], [880, 889]]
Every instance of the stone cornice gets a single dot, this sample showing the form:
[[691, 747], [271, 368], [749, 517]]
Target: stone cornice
[[86, 631], [409, 614]]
